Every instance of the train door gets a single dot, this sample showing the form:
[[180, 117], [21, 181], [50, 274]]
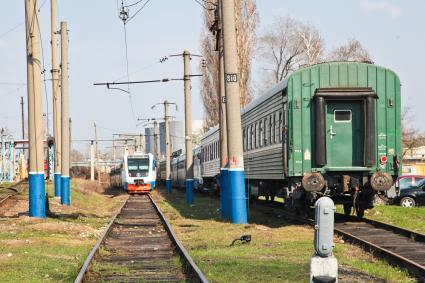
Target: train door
[[344, 129]]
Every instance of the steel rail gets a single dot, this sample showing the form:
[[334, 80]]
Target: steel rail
[[398, 260], [393, 258], [395, 229], [12, 188], [86, 264], [189, 262], [191, 268]]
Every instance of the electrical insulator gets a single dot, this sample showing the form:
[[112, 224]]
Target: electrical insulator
[[204, 63], [124, 14]]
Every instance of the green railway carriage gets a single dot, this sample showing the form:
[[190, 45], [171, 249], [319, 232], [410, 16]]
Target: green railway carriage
[[329, 129]]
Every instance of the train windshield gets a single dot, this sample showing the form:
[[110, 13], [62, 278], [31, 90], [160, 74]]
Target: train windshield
[[138, 167]]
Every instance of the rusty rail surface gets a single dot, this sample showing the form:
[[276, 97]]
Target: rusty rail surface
[[400, 247], [139, 245]]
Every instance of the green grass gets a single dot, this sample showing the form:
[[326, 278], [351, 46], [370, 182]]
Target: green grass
[[279, 252], [53, 250], [408, 218]]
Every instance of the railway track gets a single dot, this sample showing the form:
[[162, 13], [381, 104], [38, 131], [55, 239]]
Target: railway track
[[139, 246], [400, 247], [6, 193]]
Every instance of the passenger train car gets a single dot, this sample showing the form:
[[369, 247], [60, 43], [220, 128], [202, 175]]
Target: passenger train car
[[137, 173], [332, 129]]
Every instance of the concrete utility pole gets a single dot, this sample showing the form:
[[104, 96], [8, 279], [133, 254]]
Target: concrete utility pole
[[155, 138], [91, 161], [113, 148], [97, 153], [167, 150], [56, 96], [188, 128], [37, 197], [238, 200], [224, 171], [65, 188], [22, 117], [167, 144]]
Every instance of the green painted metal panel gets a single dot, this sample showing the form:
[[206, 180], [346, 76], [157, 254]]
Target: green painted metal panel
[[344, 128], [301, 87]]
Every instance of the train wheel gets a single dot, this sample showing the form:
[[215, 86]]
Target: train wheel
[[347, 209]]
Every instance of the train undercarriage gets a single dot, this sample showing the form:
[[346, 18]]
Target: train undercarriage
[[355, 192]]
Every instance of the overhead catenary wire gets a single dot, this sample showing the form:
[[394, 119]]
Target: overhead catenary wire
[[138, 11]]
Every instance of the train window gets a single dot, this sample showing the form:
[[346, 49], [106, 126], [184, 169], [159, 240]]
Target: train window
[[252, 136], [342, 116], [243, 139], [261, 133], [280, 125], [266, 131], [276, 127], [272, 123], [256, 135]]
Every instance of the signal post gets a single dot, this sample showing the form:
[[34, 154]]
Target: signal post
[[37, 197], [238, 206]]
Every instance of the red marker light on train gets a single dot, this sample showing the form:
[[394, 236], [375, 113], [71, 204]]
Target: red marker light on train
[[384, 159]]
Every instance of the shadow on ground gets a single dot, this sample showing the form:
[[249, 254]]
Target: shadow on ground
[[207, 207]]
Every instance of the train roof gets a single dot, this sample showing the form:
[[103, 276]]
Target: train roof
[[269, 93], [211, 131]]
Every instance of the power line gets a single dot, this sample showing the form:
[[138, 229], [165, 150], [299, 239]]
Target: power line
[[202, 4], [11, 30], [134, 4], [138, 11], [43, 72]]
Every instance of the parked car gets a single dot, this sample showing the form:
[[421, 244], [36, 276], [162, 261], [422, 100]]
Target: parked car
[[413, 195], [408, 181]]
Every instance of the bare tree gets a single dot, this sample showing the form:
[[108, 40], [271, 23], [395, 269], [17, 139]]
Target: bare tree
[[246, 21], [312, 44], [280, 48], [77, 156], [411, 136], [286, 45], [353, 50]]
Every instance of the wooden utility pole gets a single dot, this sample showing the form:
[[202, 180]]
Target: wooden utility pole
[[65, 148], [56, 96], [37, 198], [238, 213]]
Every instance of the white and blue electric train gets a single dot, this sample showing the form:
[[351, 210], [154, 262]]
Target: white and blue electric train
[[137, 173]]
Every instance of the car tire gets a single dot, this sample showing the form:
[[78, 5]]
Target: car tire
[[407, 202]]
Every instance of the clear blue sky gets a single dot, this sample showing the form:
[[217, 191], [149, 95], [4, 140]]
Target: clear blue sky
[[390, 30]]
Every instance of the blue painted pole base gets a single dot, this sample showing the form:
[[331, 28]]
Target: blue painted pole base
[[238, 213], [224, 193], [189, 191], [168, 186], [65, 191], [57, 185], [37, 205]]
